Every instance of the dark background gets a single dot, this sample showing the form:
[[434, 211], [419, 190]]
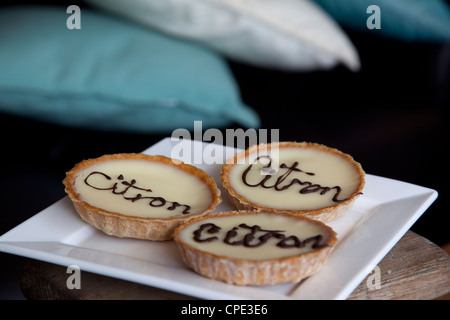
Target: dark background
[[390, 117]]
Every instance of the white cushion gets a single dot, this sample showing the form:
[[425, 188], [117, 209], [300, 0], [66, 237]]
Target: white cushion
[[292, 35]]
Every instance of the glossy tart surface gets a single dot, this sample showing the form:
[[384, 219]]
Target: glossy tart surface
[[140, 187], [295, 177], [254, 248]]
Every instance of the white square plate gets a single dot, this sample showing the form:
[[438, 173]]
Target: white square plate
[[366, 233]]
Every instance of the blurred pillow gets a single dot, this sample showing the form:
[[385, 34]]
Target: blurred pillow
[[411, 20], [111, 74], [281, 34]]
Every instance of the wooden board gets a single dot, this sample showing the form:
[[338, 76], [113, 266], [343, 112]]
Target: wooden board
[[414, 269]]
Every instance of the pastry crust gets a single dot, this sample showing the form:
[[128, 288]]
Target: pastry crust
[[323, 214], [119, 225], [255, 272]]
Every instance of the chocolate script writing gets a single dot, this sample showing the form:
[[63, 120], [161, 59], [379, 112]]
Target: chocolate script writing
[[254, 237], [116, 188], [306, 186]]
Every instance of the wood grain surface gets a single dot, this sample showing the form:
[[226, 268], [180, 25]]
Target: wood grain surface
[[415, 268]]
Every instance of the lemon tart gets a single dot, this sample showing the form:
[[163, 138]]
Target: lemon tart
[[299, 178], [254, 248], [138, 195]]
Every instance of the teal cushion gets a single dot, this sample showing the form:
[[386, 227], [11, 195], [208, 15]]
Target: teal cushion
[[111, 75], [409, 20]]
